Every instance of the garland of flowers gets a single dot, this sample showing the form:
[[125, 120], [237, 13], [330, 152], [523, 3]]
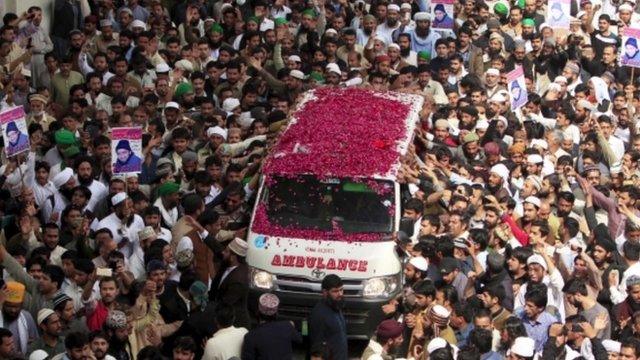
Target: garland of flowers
[[344, 133]]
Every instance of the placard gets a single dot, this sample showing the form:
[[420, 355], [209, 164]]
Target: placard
[[442, 14], [558, 14], [15, 131], [517, 88], [630, 51], [126, 150]]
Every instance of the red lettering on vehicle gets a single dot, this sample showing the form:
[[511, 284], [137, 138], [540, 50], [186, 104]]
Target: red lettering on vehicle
[[362, 265], [289, 260], [331, 264], [316, 262], [353, 265], [311, 262], [342, 264]]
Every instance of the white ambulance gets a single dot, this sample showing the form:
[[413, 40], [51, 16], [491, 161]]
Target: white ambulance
[[329, 203]]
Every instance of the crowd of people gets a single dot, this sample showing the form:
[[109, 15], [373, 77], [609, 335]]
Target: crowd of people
[[523, 236]]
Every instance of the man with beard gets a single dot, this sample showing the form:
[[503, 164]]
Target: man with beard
[[541, 270], [388, 339], [62, 81], [587, 306], [406, 54], [230, 286], [414, 271], [425, 293], [118, 331], [123, 223], [272, 338], [531, 12], [470, 151], [153, 217], [422, 38], [233, 212], [15, 319], [492, 298], [51, 340], [84, 169], [571, 72], [369, 24], [493, 29], [98, 310], [392, 22], [495, 275], [603, 249], [349, 39], [78, 347], [215, 39], [51, 239], [107, 37], [624, 311], [53, 206], [498, 183], [530, 207], [167, 203], [99, 343], [326, 321]]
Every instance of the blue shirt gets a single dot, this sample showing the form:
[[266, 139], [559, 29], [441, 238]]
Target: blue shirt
[[463, 335], [491, 355], [538, 329]]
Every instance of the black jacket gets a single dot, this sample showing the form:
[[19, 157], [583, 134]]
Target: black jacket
[[234, 291], [270, 341], [327, 325]]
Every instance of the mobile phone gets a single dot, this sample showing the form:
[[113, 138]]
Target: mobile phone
[[104, 272]]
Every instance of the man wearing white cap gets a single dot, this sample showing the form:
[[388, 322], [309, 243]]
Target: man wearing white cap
[[415, 270], [123, 223], [53, 206], [230, 285], [541, 270], [523, 348], [422, 38], [216, 136], [392, 23], [492, 82], [534, 164]]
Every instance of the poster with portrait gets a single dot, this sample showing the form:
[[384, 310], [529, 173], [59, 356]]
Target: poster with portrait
[[14, 131], [126, 150], [558, 14], [630, 51], [442, 14], [517, 88]]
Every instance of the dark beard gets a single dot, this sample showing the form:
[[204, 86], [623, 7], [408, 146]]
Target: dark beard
[[391, 25], [335, 305], [493, 189], [85, 181], [367, 32], [405, 52], [527, 36], [9, 318], [215, 45]]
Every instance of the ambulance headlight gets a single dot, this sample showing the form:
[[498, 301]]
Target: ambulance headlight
[[262, 279], [380, 286]]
